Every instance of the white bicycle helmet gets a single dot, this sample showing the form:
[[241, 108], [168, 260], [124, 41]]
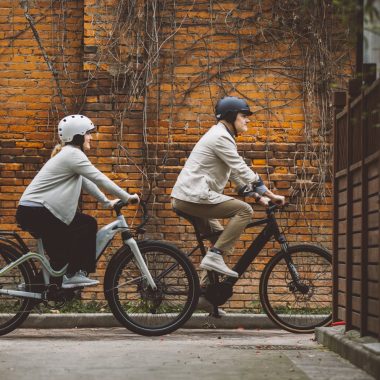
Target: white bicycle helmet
[[73, 125]]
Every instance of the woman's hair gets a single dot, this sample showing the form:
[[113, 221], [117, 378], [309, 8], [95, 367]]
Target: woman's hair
[[56, 149], [77, 140]]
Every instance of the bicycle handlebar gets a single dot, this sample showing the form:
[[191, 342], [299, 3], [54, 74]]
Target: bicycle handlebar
[[273, 207], [145, 217]]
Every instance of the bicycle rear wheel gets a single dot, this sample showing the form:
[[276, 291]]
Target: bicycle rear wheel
[[298, 306], [13, 310], [140, 308]]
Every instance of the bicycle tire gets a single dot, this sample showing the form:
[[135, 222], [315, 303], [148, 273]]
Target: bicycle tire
[[135, 305], [295, 310], [14, 310]]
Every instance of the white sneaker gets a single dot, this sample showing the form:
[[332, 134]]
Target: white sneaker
[[78, 280], [204, 304], [214, 261]]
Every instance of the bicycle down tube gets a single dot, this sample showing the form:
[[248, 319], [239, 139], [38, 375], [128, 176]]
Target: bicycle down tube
[[254, 249], [271, 229]]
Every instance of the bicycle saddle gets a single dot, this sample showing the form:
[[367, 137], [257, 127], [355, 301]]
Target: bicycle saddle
[[193, 221], [189, 218]]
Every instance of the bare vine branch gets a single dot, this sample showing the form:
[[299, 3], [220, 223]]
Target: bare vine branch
[[24, 4]]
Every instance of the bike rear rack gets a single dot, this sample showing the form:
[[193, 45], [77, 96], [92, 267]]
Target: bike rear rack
[[15, 240]]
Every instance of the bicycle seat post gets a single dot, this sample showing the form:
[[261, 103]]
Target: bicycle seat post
[[41, 251]]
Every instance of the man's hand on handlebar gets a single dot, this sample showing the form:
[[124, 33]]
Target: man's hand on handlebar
[[263, 201], [279, 200], [276, 199]]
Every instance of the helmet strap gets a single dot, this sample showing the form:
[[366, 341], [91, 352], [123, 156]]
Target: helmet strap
[[228, 127], [235, 130]]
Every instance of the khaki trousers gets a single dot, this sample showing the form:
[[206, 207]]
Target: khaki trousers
[[239, 212]]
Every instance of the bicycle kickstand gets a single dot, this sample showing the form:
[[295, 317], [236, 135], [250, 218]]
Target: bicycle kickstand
[[214, 279], [215, 312]]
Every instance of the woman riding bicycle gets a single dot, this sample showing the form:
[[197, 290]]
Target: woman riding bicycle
[[198, 190], [48, 206]]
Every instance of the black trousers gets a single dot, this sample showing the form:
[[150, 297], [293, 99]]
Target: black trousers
[[74, 243]]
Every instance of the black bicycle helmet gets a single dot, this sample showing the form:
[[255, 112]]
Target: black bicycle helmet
[[228, 107]]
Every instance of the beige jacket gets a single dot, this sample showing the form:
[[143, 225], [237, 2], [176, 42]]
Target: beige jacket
[[213, 161]]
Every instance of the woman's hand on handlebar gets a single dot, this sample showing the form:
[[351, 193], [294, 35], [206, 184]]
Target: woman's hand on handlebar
[[111, 204], [134, 199]]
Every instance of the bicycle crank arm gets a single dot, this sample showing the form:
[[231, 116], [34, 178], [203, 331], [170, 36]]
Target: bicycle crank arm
[[140, 262], [20, 293]]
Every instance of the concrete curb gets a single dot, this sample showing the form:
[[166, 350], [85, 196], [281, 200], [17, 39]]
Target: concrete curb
[[364, 352], [201, 320]]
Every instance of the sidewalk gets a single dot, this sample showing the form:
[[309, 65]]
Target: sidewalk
[[364, 352], [207, 354]]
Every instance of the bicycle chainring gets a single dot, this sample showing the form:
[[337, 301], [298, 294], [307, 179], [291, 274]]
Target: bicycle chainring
[[60, 296], [219, 293]]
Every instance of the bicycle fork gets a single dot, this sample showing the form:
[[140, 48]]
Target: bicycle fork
[[131, 242], [106, 234], [296, 283], [289, 262]]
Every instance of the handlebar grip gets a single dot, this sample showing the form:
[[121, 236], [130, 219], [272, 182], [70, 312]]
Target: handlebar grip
[[145, 217], [274, 206], [133, 201], [118, 206]]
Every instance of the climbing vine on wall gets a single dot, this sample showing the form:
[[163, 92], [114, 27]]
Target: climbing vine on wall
[[276, 54]]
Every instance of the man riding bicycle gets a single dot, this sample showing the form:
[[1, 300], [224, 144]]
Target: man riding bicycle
[[198, 190]]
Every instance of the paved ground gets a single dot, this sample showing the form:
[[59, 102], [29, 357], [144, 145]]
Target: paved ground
[[115, 353]]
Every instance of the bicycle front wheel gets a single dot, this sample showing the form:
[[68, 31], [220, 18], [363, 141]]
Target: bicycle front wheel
[[140, 308], [13, 309], [306, 303]]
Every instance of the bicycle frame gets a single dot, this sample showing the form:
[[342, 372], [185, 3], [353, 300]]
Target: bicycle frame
[[103, 237], [270, 230], [107, 233]]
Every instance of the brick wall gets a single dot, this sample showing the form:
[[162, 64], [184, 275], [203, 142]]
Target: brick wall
[[152, 106], [30, 105]]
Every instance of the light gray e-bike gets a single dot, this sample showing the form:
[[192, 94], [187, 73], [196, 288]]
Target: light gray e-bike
[[151, 287]]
